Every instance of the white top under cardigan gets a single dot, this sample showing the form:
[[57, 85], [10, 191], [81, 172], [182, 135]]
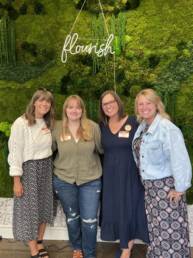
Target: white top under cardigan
[[27, 143]]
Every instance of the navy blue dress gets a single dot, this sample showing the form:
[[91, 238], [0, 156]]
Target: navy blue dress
[[123, 211]]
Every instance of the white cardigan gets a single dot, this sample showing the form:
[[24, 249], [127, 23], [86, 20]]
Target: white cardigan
[[27, 143]]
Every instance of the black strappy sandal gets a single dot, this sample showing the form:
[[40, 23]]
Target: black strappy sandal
[[42, 252], [35, 256]]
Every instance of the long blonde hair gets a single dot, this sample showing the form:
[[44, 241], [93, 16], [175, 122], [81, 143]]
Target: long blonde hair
[[153, 97], [85, 129], [42, 94]]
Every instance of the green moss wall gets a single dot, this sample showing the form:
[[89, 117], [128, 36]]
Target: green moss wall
[[157, 53]]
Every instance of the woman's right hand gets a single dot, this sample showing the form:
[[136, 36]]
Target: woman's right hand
[[17, 187], [175, 196]]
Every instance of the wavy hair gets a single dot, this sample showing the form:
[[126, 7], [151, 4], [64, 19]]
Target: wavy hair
[[85, 129], [153, 97], [121, 113], [40, 94]]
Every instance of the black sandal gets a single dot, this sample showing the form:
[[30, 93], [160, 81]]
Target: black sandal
[[35, 256], [42, 251]]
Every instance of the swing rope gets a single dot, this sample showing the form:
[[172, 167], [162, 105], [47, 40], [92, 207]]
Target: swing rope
[[77, 16]]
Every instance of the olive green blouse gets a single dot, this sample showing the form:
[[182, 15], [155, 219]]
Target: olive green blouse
[[77, 162]]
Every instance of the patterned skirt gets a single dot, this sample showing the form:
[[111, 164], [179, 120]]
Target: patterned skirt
[[36, 204], [167, 221]]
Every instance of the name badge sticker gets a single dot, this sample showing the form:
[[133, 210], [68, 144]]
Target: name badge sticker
[[123, 134], [46, 130], [66, 138]]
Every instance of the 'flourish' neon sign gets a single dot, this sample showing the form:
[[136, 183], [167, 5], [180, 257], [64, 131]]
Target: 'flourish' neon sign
[[71, 47]]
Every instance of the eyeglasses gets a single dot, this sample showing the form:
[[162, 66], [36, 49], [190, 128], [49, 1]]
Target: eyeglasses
[[108, 103]]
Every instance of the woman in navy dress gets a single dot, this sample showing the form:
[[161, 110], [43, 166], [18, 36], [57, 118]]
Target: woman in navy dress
[[123, 212]]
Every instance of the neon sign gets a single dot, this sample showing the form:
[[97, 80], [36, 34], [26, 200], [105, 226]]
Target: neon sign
[[71, 47]]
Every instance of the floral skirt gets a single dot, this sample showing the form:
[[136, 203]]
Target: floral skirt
[[35, 206], [167, 221]]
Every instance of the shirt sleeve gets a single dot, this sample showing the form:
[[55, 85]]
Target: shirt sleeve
[[97, 139], [16, 148], [180, 161], [56, 135], [135, 124], [137, 129], [54, 142]]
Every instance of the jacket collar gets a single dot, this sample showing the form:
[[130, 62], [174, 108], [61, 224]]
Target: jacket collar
[[153, 125]]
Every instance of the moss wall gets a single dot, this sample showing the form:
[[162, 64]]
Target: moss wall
[[158, 53]]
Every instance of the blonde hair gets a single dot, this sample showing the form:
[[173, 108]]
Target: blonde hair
[[40, 94], [85, 129], [153, 97]]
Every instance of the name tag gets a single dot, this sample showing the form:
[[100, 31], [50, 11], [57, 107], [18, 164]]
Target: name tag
[[46, 130], [123, 134], [66, 138]]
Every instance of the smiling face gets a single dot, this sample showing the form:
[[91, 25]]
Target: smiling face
[[42, 107], [73, 110], [110, 106], [146, 109]]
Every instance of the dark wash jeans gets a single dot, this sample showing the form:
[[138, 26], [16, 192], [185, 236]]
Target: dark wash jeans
[[80, 204]]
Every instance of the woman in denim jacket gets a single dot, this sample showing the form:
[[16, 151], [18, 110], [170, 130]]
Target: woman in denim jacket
[[165, 170]]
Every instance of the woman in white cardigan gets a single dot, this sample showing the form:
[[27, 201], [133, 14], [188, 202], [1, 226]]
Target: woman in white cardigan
[[31, 168]]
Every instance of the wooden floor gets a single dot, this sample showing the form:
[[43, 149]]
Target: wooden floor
[[61, 249]]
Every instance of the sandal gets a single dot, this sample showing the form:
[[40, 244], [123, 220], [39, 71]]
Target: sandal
[[77, 254], [35, 256], [42, 252]]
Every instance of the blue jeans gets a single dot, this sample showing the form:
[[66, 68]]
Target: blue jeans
[[80, 204]]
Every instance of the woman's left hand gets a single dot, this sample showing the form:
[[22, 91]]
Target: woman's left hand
[[175, 196]]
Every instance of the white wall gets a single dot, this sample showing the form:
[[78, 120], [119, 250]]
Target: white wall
[[58, 231]]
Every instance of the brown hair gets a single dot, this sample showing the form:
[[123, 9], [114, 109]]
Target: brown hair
[[40, 94], [153, 97], [121, 112], [85, 129]]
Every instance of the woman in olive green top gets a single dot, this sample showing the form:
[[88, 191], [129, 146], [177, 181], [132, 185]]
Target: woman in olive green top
[[77, 173]]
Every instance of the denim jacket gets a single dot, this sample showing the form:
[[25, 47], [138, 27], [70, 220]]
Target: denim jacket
[[163, 153]]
